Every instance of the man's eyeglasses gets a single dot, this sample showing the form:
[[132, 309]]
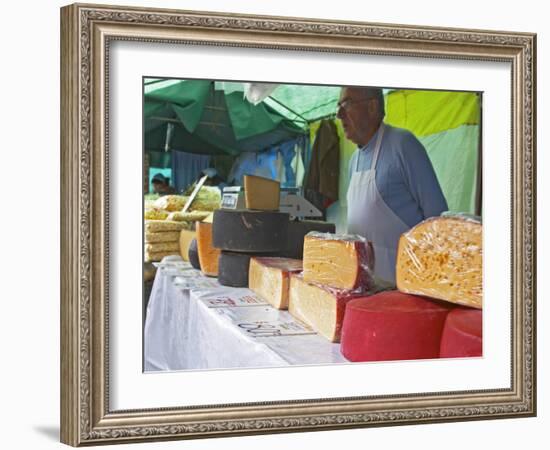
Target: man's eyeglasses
[[345, 104]]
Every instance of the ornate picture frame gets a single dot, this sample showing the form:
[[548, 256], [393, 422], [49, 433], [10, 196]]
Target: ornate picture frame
[[87, 32]]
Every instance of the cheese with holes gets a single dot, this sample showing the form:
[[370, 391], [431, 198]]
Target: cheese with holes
[[392, 326], [269, 278], [320, 307], [208, 255], [250, 231], [261, 193], [462, 334], [442, 258], [193, 255], [339, 261], [185, 238]]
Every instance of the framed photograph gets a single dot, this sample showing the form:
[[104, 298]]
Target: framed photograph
[[178, 127]]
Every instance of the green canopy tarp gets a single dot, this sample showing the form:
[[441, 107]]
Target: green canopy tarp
[[207, 120]]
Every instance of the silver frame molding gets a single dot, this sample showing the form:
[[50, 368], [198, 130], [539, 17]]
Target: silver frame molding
[[86, 31]]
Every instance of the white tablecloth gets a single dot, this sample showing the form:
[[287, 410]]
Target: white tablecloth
[[195, 323]]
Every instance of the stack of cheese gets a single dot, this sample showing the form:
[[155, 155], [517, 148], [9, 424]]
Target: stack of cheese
[[162, 239], [258, 230], [336, 269], [439, 266]]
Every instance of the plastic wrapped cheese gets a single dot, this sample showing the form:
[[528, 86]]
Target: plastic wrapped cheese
[[442, 258], [339, 261], [158, 256], [154, 226], [155, 214], [161, 236], [321, 307], [393, 326], [171, 202], [158, 247], [269, 278], [194, 216]]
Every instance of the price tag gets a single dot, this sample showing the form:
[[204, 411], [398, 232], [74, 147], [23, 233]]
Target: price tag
[[224, 301], [274, 329], [195, 283]]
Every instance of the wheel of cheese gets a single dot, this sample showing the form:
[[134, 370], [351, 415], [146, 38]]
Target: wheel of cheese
[[297, 230], [193, 255], [250, 231], [462, 334], [233, 269], [442, 258], [392, 326]]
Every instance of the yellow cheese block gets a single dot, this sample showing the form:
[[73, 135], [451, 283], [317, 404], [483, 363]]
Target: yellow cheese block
[[268, 277], [157, 256], [338, 261], [442, 258], [186, 236], [161, 236], [153, 226], [321, 307], [208, 254], [158, 247], [261, 193]]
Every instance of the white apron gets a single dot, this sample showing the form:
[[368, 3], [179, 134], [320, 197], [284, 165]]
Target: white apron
[[370, 217]]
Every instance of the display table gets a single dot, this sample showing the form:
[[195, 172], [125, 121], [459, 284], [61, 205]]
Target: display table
[[195, 323]]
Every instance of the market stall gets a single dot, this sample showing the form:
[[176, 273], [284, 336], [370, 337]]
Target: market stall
[[258, 271]]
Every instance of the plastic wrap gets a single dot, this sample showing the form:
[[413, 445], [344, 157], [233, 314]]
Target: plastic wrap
[[161, 236], [154, 226], [155, 214], [208, 198], [341, 261], [442, 258], [159, 247], [195, 216], [171, 202], [158, 256], [269, 278], [320, 306]]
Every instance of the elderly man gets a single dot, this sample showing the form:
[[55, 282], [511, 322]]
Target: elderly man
[[392, 182]]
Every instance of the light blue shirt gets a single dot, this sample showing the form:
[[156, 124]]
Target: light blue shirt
[[405, 177]]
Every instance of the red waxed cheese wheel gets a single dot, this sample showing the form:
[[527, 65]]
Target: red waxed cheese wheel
[[462, 334], [392, 326]]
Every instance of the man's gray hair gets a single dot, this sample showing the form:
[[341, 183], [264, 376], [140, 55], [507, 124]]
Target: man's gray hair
[[378, 94]]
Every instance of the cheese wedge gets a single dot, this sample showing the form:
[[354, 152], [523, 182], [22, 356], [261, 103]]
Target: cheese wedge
[[338, 261], [269, 278], [208, 255], [320, 307], [442, 258], [261, 193]]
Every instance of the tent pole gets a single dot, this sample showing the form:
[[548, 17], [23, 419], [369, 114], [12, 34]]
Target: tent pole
[[288, 109]]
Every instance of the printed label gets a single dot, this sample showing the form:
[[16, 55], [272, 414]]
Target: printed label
[[225, 301], [274, 329]]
